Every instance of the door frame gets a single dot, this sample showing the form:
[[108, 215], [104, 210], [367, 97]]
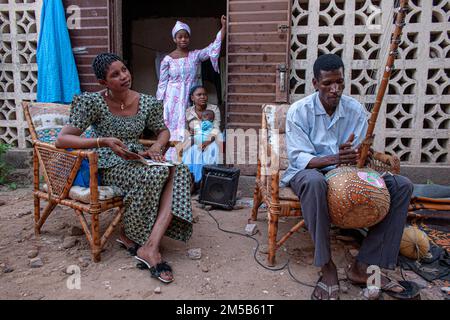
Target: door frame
[[115, 27]]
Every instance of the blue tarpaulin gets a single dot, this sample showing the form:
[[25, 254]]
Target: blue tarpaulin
[[57, 73]]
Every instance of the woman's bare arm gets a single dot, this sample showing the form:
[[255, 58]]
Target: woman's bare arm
[[69, 137]]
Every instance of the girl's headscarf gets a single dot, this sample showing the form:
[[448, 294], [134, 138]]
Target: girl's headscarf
[[180, 26]]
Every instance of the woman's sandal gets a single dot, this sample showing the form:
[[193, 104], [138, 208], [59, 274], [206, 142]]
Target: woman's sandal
[[411, 291], [155, 271], [131, 250]]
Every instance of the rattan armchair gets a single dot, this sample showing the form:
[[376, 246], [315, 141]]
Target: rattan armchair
[[59, 168], [272, 161]]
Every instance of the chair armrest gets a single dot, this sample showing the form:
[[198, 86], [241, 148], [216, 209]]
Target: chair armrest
[[384, 162], [149, 143], [61, 167], [76, 152]]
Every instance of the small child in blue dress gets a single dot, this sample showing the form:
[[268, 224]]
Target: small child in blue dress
[[203, 133]]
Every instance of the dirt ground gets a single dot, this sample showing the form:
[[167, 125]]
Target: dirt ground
[[226, 269]]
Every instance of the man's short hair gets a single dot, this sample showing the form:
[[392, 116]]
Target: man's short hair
[[327, 62]]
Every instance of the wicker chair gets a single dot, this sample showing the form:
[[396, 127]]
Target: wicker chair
[[272, 162], [59, 169]]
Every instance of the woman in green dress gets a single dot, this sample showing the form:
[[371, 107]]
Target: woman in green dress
[[157, 198]]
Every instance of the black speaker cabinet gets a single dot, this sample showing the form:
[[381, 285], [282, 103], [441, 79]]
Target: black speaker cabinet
[[219, 186]]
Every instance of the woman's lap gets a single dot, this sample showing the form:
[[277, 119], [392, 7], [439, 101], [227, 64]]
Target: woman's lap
[[195, 159], [143, 186]]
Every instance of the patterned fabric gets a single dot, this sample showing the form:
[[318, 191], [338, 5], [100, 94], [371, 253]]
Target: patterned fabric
[[48, 120], [177, 77], [83, 194], [438, 230], [141, 184], [91, 109], [180, 26]]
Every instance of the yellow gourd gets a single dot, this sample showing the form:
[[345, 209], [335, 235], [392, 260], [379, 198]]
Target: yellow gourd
[[415, 243]]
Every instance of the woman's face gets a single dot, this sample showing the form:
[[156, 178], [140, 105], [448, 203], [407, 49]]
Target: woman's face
[[182, 39], [118, 77], [200, 97]]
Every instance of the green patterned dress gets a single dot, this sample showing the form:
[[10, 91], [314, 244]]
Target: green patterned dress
[[141, 184]]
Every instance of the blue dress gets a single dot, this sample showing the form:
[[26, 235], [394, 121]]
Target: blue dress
[[57, 72]]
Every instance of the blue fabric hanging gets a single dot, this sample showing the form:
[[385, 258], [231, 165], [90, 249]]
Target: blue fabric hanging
[[57, 72]]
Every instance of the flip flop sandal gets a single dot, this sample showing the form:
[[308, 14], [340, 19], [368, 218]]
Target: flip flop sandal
[[155, 271], [131, 250], [411, 290], [328, 289]]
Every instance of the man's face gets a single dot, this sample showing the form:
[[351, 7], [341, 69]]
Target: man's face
[[330, 86]]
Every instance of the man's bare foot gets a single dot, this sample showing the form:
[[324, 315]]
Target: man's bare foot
[[128, 243], [153, 258], [357, 274], [329, 289]]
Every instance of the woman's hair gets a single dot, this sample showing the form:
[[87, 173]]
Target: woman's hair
[[193, 89], [102, 62]]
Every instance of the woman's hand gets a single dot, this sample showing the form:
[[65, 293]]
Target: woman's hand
[[223, 21], [154, 152], [119, 148], [206, 144]]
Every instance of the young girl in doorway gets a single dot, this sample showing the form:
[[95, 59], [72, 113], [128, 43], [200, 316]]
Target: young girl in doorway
[[178, 74]]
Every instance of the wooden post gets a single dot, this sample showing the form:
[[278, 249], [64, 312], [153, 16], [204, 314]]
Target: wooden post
[[257, 193], [48, 209], [37, 202], [273, 229], [95, 232]]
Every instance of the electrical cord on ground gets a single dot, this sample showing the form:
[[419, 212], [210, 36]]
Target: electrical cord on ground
[[287, 264]]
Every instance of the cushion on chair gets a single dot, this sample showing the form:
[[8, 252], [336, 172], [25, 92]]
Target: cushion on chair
[[84, 195], [275, 116], [284, 161], [287, 194], [49, 118]]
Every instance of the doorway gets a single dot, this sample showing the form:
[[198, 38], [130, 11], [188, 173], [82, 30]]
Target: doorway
[[147, 28]]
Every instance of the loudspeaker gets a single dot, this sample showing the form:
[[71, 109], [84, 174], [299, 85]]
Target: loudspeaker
[[219, 186]]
